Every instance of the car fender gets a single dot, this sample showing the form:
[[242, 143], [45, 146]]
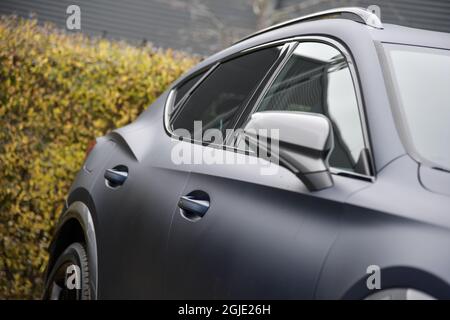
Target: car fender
[[81, 213]]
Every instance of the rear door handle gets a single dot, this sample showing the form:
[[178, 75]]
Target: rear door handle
[[192, 208], [115, 177]]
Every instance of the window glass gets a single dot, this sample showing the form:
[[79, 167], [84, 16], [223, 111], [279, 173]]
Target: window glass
[[225, 91], [422, 83], [316, 78], [185, 87]]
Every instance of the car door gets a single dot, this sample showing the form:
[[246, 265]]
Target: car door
[[133, 207], [245, 231], [142, 182]]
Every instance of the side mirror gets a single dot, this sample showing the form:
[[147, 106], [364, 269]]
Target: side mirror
[[304, 143]]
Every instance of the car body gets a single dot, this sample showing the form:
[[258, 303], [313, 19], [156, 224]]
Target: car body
[[386, 215]]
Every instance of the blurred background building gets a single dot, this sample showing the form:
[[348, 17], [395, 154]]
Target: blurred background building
[[206, 26]]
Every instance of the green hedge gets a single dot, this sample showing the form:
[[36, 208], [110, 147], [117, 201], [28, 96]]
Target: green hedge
[[57, 92]]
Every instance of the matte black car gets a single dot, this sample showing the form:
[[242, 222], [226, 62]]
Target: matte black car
[[349, 200]]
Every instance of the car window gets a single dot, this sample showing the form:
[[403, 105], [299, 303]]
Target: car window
[[316, 78], [185, 87], [422, 82], [216, 101]]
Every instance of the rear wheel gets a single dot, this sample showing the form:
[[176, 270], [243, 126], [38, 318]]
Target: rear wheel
[[69, 277]]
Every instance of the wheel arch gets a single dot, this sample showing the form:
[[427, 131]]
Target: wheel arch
[[76, 225]]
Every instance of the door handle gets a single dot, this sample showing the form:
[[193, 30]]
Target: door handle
[[193, 208], [116, 176]]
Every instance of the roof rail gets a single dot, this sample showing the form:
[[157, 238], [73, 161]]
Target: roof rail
[[357, 14]]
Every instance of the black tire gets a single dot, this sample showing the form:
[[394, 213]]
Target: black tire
[[57, 287]]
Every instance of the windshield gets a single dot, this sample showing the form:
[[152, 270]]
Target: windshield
[[421, 79]]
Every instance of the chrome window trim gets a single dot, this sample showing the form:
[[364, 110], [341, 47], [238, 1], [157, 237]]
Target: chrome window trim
[[356, 83]]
